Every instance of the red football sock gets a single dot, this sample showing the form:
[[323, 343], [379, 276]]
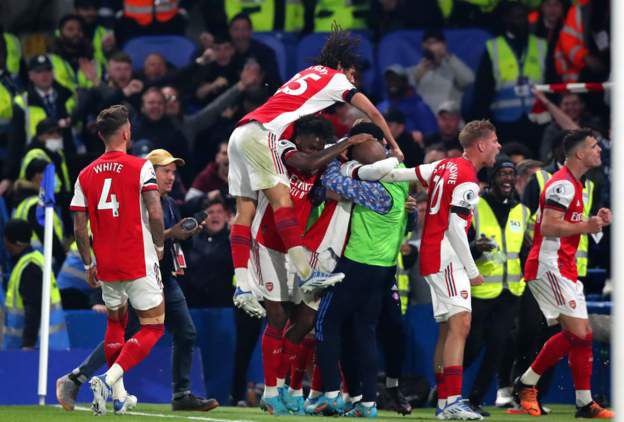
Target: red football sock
[[439, 377], [288, 227], [138, 347], [552, 351], [300, 363], [317, 382], [290, 351], [580, 360], [453, 380], [114, 338], [240, 245], [272, 343]]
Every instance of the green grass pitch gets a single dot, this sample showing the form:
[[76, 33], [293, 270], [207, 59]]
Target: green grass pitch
[[159, 412]]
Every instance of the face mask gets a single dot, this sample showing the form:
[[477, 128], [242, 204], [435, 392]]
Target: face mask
[[54, 144]]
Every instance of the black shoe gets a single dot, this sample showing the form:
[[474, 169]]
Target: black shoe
[[191, 402], [398, 402], [478, 409]]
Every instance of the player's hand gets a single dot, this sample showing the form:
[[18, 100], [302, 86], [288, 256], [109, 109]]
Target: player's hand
[[396, 152], [406, 249], [360, 138], [249, 303], [160, 253], [483, 244], [594, 224], [477, 281], [410, 204], [606, 215], [92, 280]]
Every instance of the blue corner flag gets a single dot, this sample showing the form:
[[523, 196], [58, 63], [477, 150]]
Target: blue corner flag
[[46, 192]]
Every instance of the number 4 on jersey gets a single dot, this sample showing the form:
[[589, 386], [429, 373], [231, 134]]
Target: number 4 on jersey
[[104, 203]]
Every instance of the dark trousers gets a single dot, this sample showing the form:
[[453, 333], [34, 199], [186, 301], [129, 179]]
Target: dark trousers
[[351, 306], [178, 322], [391, 331], [247, 332], [492, 323]]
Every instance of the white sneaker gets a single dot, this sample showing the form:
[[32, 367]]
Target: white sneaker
[[120, 407], [101, 393], [504, 397], [459, 410], [319, 280]]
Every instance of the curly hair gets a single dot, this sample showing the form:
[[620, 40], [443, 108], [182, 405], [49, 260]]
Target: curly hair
[[340, 49], [314, 125]]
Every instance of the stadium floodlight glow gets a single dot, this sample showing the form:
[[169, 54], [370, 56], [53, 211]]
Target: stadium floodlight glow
[[617, 197]]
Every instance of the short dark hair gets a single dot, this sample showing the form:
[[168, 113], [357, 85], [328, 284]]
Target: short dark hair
[[340, 49], [242, 15], [438, 146], [222, 38], [367, 127], [72, 17], [18, 231], [474, 130], [217, 200], [110, 119], [36, 166], [516, 148], [435, 33], [574, 138], [314, 125], [121, 56]]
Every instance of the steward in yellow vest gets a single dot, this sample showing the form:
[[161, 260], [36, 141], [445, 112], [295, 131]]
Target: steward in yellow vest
[[263, 14], [88, 10], [348, 14], [498, 230], [8, 91], [23, 298], [13, 54]]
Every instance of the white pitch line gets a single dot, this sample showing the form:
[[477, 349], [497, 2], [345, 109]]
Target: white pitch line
[[160, 415]]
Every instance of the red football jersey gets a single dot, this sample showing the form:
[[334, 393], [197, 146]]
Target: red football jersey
[[263, 226], [563, 192], [109, 189], [308, 92], [450, 183]]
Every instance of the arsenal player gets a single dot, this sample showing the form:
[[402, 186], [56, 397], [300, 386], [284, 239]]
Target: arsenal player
[[550, 272], [117, 195], [255, 163]]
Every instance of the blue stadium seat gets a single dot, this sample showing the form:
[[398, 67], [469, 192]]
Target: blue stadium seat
[[273, 40], [177, 50], [310, 46]]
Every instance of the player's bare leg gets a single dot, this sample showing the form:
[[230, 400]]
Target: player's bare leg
[[438, 366], [453, 354]]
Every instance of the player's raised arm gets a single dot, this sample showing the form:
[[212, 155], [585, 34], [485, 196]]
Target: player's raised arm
[[558, 197]]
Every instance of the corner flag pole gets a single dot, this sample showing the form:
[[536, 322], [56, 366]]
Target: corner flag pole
[[46, 199], [617, 196]]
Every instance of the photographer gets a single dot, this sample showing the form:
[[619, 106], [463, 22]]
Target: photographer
[[440, 76]]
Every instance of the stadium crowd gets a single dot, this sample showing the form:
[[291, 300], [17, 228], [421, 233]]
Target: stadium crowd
[[57, 76]]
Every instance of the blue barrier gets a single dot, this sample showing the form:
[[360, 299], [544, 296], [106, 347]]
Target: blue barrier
[[213, 361]]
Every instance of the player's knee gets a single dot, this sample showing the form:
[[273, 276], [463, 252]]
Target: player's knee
[[152, 320], [460, 324], [276, 315]]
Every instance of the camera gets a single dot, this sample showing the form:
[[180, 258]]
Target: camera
[[191, 223]]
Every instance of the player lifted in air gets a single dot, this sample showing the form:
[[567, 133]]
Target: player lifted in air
[[117, 195], [550, 272], [255, 164]]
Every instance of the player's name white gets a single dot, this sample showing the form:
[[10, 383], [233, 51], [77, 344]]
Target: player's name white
[[109, 166]]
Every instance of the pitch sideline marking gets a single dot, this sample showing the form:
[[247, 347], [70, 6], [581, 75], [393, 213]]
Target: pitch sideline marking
[[160, 415]]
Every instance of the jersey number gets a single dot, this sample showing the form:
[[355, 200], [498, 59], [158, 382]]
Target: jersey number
[[436, 194], [104, 203], [297, 85]]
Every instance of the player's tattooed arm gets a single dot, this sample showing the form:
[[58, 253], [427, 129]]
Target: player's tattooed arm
[[311, 162], [155, 212], [81, 233]]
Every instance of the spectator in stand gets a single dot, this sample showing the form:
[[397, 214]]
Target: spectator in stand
[[217, 72], [516, 152], [526, 169], [157, 130], [72, 56], [503, 89], [8, 91], [214, 177], [248, 48], [440, 76], [449, 124], [102, 39], [434, 153], [583, 52], [210, 267], [150, 17], [419, 289], [154, 69], [573, 107], [392, 15], [412, 150], [401, 96], [547, 25]]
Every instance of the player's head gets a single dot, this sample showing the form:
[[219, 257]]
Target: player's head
[[478, 139], [165, 166], [340, 52], [113, 125], [17, 234], [312, 133], [582, 146], [503, 177], [370, 151]]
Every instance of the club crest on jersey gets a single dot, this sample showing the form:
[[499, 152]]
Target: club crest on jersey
[[464, 294], [269, 286], [573, 304]]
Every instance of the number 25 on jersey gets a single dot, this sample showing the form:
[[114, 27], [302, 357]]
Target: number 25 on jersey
[[105, 203], [297, 85]]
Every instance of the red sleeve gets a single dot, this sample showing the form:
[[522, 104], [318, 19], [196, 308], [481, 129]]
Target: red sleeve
[[77, 208], [420, 178], [149, 187]]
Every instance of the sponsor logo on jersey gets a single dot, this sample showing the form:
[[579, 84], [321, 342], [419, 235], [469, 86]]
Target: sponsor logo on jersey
[[464, 294]]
